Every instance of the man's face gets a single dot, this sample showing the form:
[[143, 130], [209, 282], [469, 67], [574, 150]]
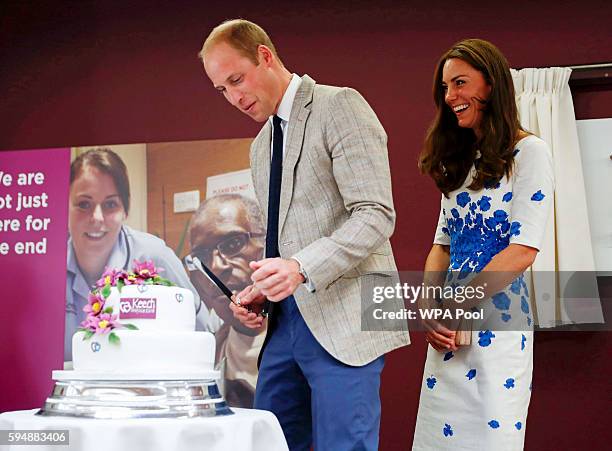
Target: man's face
[[253, 89], [219, 238]]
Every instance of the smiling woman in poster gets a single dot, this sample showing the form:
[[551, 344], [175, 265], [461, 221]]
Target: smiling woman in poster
[[99, 203], [496, 181]]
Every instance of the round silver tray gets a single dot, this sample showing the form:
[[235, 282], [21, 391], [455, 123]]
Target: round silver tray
[[115, 399]]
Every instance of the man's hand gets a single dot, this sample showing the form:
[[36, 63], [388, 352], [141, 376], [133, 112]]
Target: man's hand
[[250, 296], [276, 278]]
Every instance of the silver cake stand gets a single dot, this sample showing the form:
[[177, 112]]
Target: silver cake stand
[[80, 395]]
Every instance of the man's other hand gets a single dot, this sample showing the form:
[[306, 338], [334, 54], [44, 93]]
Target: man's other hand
[[276, 278]]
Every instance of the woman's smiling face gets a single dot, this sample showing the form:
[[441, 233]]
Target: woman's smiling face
[[96, 213], [466, 92]]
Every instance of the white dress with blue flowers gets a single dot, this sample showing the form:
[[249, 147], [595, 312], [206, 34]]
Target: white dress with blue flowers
[[477, 398]]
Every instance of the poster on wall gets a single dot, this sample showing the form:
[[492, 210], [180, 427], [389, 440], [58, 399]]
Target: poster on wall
[[112, 185], [33, 222]]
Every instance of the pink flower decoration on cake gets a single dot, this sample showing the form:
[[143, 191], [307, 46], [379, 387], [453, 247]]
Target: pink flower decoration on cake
[[87, 323], [95, 304], [133, 279], [109, 277], [145, 270], [101, 324]]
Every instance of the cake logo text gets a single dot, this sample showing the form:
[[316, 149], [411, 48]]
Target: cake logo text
[[138, 308]]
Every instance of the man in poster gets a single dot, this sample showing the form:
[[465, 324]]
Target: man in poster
[[320, 171], [226, 233]]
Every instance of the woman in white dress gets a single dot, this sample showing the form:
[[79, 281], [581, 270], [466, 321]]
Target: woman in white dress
[[497, 187]]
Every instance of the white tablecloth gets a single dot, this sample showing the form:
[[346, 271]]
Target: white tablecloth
[[247, 429]]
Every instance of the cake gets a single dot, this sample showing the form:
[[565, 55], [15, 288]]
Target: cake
[[137, 354], [139, 326]]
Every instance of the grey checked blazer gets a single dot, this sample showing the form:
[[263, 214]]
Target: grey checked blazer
[[336, 213]]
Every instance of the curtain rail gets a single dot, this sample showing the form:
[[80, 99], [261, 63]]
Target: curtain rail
[[591, 66], [591, 75]]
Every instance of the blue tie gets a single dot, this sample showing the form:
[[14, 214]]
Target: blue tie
[[276, 171], [274, 190]]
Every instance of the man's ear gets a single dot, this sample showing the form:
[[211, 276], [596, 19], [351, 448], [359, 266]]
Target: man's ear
[[265, 55]]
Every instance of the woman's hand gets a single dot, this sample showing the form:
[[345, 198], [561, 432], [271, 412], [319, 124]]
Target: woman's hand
[[439, 337]]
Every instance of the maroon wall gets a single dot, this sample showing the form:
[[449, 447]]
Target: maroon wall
[[94, 74]]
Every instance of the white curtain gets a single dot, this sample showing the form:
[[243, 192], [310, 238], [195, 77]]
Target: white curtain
[[563, 279]]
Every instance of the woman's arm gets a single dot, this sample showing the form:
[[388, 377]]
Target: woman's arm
[[501, 271], [438, 259], [441, 338]]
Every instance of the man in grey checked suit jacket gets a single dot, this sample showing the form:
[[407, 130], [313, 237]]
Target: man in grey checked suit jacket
[[319, 371]]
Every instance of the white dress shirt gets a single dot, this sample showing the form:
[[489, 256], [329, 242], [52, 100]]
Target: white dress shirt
[[284, 113]]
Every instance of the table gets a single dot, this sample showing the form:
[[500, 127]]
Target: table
[[247, 429]]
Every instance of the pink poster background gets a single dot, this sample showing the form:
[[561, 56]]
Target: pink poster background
[[32, 287]]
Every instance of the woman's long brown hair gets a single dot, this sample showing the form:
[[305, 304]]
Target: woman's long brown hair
[[449, 150]]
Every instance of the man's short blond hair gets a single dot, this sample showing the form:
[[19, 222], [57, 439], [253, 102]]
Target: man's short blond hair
[[242, 35]]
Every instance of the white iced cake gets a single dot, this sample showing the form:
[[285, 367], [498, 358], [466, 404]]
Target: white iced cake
[[163, 346]]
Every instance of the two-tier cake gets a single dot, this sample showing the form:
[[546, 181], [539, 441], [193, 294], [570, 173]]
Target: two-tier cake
[[137, 353]]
